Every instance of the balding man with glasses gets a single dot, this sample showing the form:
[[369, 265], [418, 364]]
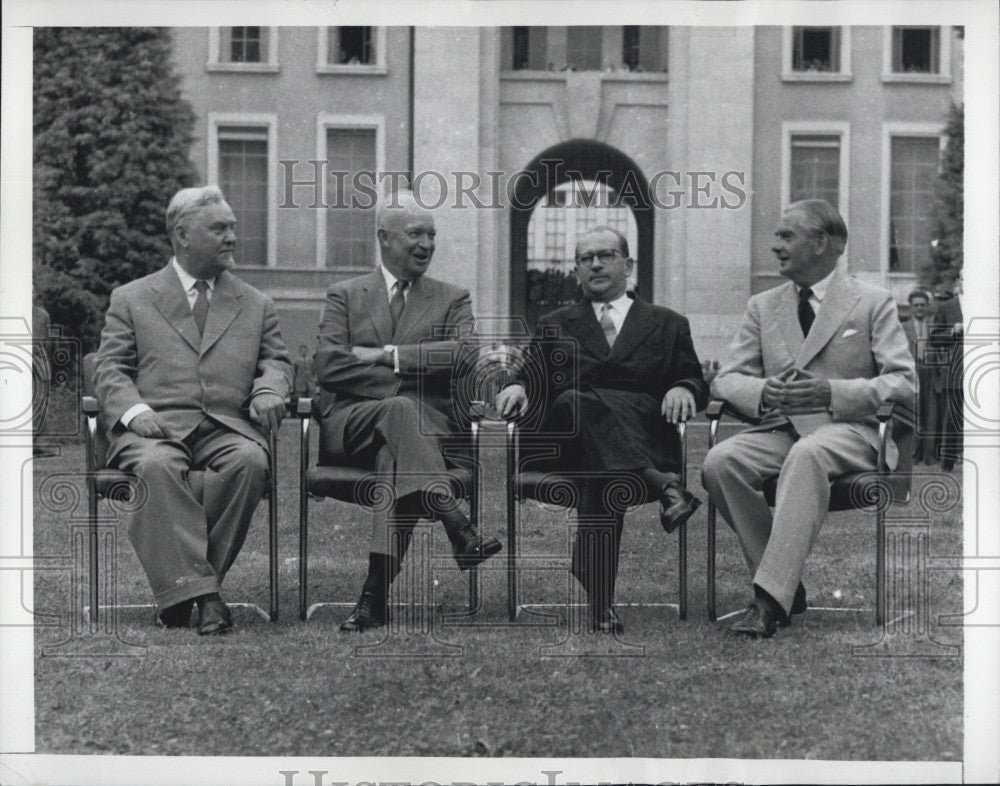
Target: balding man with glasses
[[633, 374]]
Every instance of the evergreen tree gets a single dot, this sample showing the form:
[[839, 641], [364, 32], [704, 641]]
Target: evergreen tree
[[946, 257], [111, 140]]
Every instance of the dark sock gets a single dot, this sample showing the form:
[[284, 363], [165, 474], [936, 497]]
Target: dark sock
[[447, 511], [382, 571], [203, 599], [763, 596], [656, 479]]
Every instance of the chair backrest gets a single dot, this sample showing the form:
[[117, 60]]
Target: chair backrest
[[101, 443]]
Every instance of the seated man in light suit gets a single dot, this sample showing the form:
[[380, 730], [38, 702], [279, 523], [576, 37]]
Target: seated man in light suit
[[386, 396], [813, 359], [190, 370], [634, 372]]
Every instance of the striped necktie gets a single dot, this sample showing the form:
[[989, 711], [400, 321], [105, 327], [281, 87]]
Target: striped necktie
[[608, 325], [200, 308], [397, 301]]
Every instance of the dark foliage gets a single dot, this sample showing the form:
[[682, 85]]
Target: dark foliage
[[111, 140], [947, 256]]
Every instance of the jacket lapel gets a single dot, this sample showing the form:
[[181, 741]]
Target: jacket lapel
[[418, 300], [584, 327], [170, 299], [787, 317], [638, 323], [840, 299], [377, 304], [224, 307]]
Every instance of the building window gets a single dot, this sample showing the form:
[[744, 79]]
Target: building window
[[243, 49], [816, 49], [583, 48], [350, 219], [529, 49], [815, 168], [243, 165], [244, 44], [351, 46], [916, 50], [913, 175], [644, 48]]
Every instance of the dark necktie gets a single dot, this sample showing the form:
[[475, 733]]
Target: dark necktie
[[397, 302], [608, 324], [806, 313], [200, 309]]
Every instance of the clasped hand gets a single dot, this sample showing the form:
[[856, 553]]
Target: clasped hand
[[796, 389], [267, 409]]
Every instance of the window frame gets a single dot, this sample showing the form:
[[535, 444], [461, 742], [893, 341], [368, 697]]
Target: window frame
[[787, 57], [214, 53], [841, 128], [269, 122], [324, 122], [942, 77], [378, 68], [889, 131]]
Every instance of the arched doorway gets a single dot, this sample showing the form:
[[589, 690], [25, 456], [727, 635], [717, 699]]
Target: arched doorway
[[600, 182]]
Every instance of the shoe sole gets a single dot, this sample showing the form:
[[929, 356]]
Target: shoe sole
[[678, 523], [467, 561]]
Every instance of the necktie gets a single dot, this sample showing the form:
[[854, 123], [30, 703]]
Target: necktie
[[200, 309], [806, 313], [608, 325], [397, 301]]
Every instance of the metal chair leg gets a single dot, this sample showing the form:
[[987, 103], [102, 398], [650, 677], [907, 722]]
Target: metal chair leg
[[713, 432], [272, 521], [682, 536], [474, 516], [512, 600], [92, 535], [303, 518]]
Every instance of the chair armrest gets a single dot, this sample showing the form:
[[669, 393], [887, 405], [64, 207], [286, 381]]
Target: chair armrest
[[304, 407], [90, 406], [885, 411]]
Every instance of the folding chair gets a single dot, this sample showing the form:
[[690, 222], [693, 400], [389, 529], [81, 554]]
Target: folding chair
[[357, 485], [561, 489], [853, 491], [118, 486]]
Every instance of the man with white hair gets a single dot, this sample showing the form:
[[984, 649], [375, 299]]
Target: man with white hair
[[192, 374], [813, 360], [382, 363]]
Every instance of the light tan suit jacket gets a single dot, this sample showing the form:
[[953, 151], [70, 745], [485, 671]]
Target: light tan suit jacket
[[857, 342]]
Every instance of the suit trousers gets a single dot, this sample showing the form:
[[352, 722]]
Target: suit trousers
[[402, 439], [776, 544], [186, 545]]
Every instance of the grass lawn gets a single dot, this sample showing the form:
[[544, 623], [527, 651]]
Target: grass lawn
[[483, 687]]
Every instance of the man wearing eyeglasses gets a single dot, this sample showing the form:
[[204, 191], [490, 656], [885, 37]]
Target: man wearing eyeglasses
[[631, 376]]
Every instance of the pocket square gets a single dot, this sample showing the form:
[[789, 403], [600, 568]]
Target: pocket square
[[849, 332]]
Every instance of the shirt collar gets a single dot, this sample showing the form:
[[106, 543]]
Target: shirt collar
[[390, 280], [187, 280], [820, 287], [621, 305]]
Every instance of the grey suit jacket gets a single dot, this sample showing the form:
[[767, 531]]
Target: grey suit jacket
[[857, 342], [151, 353], [433, 340]]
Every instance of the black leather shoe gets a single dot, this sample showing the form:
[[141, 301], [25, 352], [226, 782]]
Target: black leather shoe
[[760, 619], [368, 614], [214, 618], [471, 548], [676, 506], [176, 616], [604, 619]]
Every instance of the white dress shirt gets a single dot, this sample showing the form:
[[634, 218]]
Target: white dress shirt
[[618, 310]]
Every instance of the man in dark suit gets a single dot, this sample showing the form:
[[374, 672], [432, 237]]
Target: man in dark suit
[[946, 342], [813, 359], [191, 369], [928, 397], [632, 373], [386, 394]]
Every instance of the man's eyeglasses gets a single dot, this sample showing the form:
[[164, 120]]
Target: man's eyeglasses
[[606, 256]]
